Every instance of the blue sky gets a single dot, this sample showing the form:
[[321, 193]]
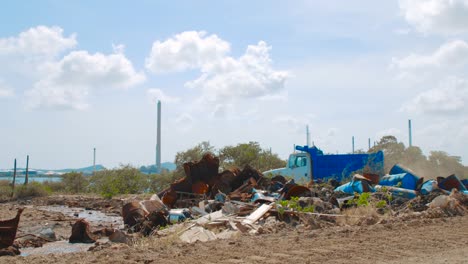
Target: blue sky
[[82, 74]]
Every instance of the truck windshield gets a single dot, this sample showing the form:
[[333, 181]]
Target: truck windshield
[[297, 161]]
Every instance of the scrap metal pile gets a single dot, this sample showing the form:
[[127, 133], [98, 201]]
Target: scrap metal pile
[[207, 205]]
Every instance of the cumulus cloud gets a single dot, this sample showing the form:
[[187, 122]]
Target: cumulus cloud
[[453, 53], [223, 78], [37, 41], [187, 50], [451, 97], [69, 80], [157, 94], [294, 123], [250, 76], [436, 16]]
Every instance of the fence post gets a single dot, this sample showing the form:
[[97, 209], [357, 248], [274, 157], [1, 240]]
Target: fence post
[[14, 179], [26, 178]]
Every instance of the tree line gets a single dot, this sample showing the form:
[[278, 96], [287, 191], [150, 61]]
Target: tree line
[[437, 163]]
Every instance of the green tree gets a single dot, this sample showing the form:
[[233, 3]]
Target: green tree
[[392, 149], [249, 154], [443, 165]]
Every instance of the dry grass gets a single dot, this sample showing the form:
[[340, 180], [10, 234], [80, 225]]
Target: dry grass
[[162, 239], [361, 215]]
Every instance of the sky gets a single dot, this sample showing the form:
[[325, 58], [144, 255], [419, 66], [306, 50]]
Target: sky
[[78, 75]]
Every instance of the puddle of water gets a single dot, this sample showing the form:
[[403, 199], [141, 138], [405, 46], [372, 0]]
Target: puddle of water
[[95, 218], [92, 216], [58, 247]]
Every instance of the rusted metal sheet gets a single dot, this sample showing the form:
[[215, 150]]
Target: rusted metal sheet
[[81, 233], [372, 178], [297, 191], [8, 230], [133, 213]]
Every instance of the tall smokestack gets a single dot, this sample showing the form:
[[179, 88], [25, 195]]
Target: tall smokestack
[[308, 135], [158, 139], [353, 144], [410, 133]]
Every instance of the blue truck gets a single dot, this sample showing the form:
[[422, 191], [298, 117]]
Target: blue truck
[[310, 164]]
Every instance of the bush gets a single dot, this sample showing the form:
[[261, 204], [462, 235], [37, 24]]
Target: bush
[[5, 190], [33, 189], [54, 186], [124, 180], [75, 182]]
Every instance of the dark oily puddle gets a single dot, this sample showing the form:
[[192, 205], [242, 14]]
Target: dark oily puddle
[[95, 218]]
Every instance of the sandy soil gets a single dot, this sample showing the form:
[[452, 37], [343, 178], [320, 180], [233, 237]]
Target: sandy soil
[[418, 240]]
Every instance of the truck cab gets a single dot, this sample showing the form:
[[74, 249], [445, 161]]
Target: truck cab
[[298, 168]]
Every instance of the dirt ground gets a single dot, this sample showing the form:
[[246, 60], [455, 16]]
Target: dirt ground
[[415, 240]]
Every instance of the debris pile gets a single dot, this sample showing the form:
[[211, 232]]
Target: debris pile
[[207, 205], [216, 205]]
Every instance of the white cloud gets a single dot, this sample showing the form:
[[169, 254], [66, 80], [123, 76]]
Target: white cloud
[[187, 50], [70, 80], [451, 97], [184, 122], [453, 53], [158, 94], [250, 76], [38, 41], [224, 80], [295, 124], [5, 90], [436, 16]]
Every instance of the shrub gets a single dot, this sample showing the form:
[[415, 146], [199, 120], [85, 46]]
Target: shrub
[[5, 190], [54, 186], [124, 180], [75, 182], [33, 189]]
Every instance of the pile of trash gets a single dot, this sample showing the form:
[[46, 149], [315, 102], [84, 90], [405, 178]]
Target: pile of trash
[[207, 205]]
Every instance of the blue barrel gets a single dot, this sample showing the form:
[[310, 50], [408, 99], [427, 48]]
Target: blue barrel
[[465, 182], [403, 180], [428, 187], [399, 192], [355, 186]]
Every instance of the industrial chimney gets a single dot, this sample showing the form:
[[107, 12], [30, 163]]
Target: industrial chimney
[[410, 136], [158, 140]]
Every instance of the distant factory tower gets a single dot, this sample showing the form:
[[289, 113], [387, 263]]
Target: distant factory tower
[[410, 135], [158, 140]]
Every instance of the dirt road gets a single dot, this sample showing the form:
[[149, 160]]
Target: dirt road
[[441, 240]]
